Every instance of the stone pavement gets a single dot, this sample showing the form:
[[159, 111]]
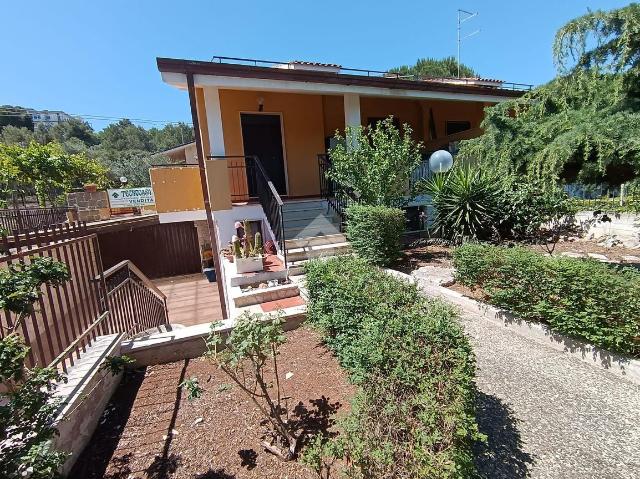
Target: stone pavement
[[548, 415]]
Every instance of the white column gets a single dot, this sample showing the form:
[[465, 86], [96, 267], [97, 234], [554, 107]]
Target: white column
[[214, 120], [351, 114]]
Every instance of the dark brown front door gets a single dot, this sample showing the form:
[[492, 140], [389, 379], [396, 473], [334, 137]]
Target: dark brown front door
[[262, 136], [159, 251]]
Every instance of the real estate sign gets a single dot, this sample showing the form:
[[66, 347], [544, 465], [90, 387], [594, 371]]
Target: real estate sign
[[131, 197]]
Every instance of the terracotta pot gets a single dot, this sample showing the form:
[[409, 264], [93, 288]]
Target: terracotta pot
[[91, 188]]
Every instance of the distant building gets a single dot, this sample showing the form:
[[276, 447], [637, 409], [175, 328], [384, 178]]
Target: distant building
[[48, 117]]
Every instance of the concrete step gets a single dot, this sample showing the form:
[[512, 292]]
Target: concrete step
[[307, 213], [315, 241], [316, 221], [308, 232], [317, 251], [302, 205], [258, 296]]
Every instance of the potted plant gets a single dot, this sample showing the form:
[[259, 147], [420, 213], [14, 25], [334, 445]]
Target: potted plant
[[247, 255]]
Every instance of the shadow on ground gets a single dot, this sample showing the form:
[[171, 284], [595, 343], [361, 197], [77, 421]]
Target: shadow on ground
[[502, 456]]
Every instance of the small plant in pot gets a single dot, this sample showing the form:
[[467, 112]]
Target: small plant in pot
[[247, 252]]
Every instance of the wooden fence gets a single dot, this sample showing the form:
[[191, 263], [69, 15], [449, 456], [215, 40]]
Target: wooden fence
[[30, 219], [69, 317]]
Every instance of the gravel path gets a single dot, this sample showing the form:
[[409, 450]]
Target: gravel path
[[548, 415]]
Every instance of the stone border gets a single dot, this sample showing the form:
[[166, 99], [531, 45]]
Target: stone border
[[622, 366]]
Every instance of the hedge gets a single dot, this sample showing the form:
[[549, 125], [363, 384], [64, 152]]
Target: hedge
[[375, 232], [586, 299], [414, 415]]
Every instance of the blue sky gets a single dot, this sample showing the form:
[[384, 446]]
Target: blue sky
[[98, 57]]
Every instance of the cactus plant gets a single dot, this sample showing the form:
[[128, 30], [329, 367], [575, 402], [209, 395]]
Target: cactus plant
[[237, 250], [248, 247], [257, 242]]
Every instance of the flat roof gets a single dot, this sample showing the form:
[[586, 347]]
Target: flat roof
[[224, 67]]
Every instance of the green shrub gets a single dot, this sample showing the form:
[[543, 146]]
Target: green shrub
[[466, 201], [585, 299], [414, 413], [375, 232]]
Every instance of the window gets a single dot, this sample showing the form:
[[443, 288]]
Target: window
[[454, 127]]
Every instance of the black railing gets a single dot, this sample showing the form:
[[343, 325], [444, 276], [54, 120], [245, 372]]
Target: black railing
[[260, 187], [338, 197], [32, 219]]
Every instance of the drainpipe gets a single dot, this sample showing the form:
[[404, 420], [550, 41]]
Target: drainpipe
[[205, 192]]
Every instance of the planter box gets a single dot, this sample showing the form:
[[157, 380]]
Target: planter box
[[248, 265]]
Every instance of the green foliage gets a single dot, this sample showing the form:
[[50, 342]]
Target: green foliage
[[585, 299], [27, 406], [375, 232], [15, 116], [466, 201], [414, 415], [192, 385], [375, 163], [432, 67], [117, 364], [20, 283], [584, 124], [248, 351], [47, 169], [258, 243]]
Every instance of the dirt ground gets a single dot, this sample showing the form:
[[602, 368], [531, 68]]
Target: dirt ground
[[151, 430]]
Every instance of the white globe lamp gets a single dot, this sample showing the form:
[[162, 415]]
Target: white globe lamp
[[440, 161]]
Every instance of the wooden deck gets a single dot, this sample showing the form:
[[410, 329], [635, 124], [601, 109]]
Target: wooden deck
[[191, 299]]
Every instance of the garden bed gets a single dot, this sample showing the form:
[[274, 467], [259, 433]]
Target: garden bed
[[151, 429]]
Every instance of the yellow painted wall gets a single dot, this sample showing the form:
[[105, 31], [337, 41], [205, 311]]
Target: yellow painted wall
[[303, 126], [176, 189]]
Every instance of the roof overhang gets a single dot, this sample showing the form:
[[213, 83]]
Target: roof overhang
[[245, 77]]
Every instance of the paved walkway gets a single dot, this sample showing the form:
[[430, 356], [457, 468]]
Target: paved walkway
[[548, 415], [191, 299]]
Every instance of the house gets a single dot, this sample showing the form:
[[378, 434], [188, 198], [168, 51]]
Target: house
[[263, 127], [48, 117], [185, 153]]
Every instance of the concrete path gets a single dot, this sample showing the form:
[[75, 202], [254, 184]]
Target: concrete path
[[548, 415]]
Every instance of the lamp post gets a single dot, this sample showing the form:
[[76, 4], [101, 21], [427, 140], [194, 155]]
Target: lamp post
[[440, 161]]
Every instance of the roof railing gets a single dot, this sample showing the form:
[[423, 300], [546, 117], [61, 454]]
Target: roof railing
[[499, 85]]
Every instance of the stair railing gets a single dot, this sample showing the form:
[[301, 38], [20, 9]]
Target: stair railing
[[261, 187], [338, 197]]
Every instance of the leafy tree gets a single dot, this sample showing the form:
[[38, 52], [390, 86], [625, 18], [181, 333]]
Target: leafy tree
[[132, 164], [170, 136], [124, 135], [584, 124], [16, 116], [72, 129], [14, 135], [376, 162], [47, 169], [438, 68]]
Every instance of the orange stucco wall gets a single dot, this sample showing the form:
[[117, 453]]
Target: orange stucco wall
[[302, 124], [176, 189]]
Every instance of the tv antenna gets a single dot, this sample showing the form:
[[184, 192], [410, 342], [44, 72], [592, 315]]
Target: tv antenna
[[463, 16]]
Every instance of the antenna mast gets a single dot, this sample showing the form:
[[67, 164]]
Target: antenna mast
[[463, 16]]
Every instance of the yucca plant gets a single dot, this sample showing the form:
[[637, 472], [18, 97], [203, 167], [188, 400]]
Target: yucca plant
[[466, 201]]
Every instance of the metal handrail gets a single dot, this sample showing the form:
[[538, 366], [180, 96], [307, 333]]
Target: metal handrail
[[338, 197], [132, 268], [377, 73]]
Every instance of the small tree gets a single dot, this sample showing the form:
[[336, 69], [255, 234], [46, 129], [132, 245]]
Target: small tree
[[27, 407], [249, 351], [376, 162]]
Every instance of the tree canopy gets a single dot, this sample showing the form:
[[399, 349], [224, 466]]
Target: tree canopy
[[583, 125], [123, 148], [433, 67]]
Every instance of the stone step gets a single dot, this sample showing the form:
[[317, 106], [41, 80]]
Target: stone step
[[316, 221], [317, 251], [302, 205], [307, 214], [258, 296], [315, 241], [310, 231]]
